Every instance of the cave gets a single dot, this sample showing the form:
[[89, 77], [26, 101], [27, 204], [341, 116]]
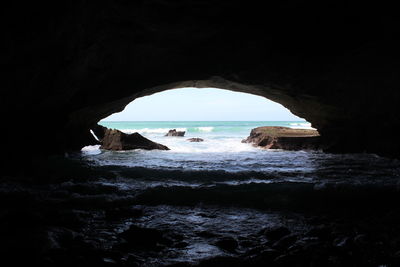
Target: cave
[[70, 64], [335, 67]]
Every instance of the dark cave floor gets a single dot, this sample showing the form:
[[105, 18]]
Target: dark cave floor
[[54, 220]]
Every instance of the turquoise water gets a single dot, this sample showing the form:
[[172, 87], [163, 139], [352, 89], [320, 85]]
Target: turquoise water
[[222, 139], [203, 127], [222, 148]]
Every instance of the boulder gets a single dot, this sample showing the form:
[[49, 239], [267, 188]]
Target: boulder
[[222, 261], [195, 140], [118, 213], [145, 238], [274, 137], [116, 140], [275, 233], [285, 242], [174, 132], [227, 243]]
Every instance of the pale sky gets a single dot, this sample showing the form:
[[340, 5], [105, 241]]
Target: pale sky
[[203, 104]]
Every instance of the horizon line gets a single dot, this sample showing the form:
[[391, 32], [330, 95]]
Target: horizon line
[[191, 120]]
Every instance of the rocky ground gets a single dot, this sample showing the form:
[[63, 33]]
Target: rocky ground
[[54, 220], [274, 137]]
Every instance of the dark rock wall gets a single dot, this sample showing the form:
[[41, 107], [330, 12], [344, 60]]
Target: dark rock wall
[[72, 63]]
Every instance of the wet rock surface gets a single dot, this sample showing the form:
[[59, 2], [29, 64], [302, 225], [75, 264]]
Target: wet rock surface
[[174, 132], [195, 139], [275, 233], [227, 243], [116, 140], [93, 221], [273, 137]]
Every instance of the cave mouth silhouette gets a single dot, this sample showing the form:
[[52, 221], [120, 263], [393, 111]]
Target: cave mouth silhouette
[[338, 133]]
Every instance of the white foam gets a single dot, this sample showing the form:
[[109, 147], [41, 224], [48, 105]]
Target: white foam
[[301, 125], [91, 150], [205, 129], [149, 130], [209, 145]]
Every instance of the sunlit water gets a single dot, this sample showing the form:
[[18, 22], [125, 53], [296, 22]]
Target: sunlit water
[[223, 159]]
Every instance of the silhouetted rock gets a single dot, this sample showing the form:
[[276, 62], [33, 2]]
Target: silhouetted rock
[[195, 139], [123, 212], [144, 238], [290, 260], [174, 132], [342, 242], [222, 261], [227, 243], [275, 233], [181, 244], [206, 234], [117, 140], [273, 137], [361, 240], [263, 257], [285, 242], [321, 231]]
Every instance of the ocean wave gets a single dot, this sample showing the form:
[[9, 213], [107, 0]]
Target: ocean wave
[[204, 129], [301, 125], [210, 145], [152, 130], [165, 130], [91, 150]]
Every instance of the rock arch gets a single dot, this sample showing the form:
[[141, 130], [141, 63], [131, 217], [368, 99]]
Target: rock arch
[[72, 64]]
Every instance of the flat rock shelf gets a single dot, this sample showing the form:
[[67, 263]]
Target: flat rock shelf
[[273, 137]]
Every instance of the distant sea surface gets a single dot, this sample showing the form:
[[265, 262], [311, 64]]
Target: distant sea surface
[[203, 127], [221, 149]]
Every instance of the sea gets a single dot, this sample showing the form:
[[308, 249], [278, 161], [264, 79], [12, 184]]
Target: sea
[[221, 150], [223, 188]]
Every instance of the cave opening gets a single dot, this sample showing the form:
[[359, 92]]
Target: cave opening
[[216, 197], [72, 63], [211, 120], [203, 129]]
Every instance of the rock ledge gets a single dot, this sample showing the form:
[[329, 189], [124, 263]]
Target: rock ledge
[[273, 137]]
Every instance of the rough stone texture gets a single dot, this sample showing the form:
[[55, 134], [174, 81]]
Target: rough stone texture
[[117, 140], [272, 137], [196, 139], [174, 132], [72, 63]]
